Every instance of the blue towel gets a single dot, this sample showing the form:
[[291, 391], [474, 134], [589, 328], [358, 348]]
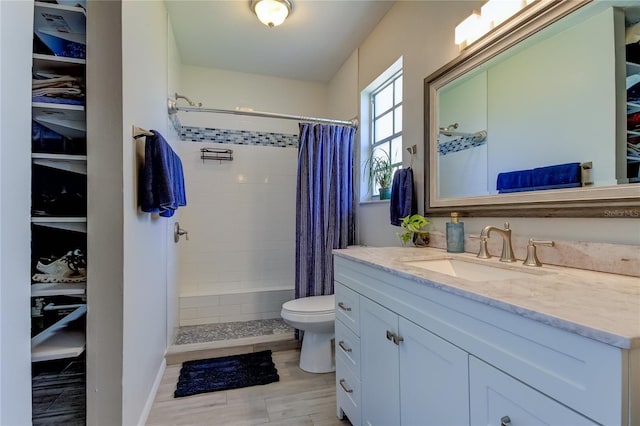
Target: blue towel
[[517, 180], [558, 176], [403, 203], [162, 179]]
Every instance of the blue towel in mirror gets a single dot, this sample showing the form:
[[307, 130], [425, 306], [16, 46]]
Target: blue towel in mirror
[[161, 187], [558, 176]]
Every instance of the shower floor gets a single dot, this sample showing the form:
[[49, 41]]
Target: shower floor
[[206, 333]]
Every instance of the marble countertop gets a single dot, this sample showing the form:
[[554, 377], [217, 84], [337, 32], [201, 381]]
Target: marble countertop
[[597, 305]]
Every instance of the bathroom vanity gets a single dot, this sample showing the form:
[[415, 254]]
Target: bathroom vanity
[[424, 337]]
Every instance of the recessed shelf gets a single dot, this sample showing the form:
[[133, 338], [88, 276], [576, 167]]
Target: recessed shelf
[[67, 120], [39, 59], [55, 107], [58, 341], [77, 224], [69, 163], [58, 289], [59, 7]]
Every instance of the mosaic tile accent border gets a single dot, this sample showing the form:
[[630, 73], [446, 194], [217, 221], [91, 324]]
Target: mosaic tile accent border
[[175, 121], [459, 144], [238, 137]]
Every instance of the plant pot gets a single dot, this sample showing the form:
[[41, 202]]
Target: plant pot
[[385, 193], [421, 239]]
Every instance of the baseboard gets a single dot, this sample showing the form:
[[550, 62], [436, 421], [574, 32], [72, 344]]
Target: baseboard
[[152, 395]]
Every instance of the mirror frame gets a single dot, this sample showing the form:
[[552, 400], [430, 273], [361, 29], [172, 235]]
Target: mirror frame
[[620, 201]]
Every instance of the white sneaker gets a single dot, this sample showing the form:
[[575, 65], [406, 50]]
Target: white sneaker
[[69, 268]]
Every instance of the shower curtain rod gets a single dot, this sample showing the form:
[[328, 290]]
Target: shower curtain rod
[[174, 108]]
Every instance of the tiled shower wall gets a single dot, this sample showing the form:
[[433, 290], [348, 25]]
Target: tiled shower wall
[[238, 263]]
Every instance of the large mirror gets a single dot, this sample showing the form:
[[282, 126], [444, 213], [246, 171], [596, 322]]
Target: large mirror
[[536, 118]]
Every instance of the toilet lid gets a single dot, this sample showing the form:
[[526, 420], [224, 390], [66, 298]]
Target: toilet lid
[[313, 304]]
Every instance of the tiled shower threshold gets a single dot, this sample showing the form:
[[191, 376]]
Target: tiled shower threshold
[[221, 339]]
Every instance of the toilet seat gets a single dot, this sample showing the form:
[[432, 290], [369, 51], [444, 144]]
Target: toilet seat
[[317, 305], [310, 309]]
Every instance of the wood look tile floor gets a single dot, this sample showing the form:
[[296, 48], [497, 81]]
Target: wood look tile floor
[[298, 399]]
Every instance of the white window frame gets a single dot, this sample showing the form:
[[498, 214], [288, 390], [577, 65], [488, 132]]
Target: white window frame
[[367, 116]]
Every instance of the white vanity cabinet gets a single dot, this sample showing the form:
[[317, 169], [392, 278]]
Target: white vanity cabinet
[[347, 344], [409, 375], [429, 356]]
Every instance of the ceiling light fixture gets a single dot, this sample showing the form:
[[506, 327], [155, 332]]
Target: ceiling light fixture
[[492, 14], [271, 12]]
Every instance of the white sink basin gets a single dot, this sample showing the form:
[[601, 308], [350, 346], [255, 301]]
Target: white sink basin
[[468, 270]]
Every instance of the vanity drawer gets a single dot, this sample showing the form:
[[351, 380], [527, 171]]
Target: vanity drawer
[[348, 347], [347, 307], [348, 392]]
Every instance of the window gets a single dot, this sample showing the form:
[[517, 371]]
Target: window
[[386, 123]]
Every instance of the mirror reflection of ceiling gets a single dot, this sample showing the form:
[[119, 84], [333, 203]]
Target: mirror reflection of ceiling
[[311, 45]]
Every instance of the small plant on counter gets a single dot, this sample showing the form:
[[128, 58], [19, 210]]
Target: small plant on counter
[[414, 230]]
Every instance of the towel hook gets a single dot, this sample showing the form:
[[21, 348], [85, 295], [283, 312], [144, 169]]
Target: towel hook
[[412, 150]]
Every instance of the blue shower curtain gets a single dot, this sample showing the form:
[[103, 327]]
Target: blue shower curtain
[[325, 199]]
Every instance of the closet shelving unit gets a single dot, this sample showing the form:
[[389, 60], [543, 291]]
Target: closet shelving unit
[[633, 107], [53, 233], [633, 160]]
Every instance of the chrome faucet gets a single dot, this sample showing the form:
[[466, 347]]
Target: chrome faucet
[[507, 250]]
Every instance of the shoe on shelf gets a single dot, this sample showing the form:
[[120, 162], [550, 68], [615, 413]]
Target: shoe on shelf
[[70, 268]]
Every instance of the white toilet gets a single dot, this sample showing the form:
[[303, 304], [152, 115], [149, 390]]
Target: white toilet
[[316, 316]]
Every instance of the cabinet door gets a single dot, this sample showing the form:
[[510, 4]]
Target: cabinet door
[[497, 398], [379, 365], [434, 379]]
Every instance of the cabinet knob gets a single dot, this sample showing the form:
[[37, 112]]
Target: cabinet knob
[[346, 388], [390, 335], [344, 307], [343, 346], [505, 421]]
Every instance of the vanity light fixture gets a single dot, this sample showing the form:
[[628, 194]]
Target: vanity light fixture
[[271, 12], [492, 14]]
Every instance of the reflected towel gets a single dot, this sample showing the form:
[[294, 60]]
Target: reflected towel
[[517, 180], [162, 179], [403, 202], [558, 176]]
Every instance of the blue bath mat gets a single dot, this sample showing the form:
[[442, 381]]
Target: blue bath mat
[[229, 372]]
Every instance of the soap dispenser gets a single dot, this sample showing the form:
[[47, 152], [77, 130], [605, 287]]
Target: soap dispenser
[[455, 234]]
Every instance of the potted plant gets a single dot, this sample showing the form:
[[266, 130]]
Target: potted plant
[[381, 172], [414, 230]]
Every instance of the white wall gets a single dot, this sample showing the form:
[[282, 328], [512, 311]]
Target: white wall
[[147, 237], [518, 100], [223, 89], [463, 173], [104, 211], [16, 34], [241, 214], [173, 269], [422, 32]]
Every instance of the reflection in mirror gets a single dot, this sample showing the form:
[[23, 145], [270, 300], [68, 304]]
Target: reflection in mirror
[[541, 121]]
